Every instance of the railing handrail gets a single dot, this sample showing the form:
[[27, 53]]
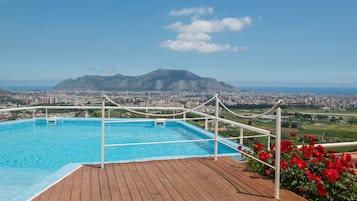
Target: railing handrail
[[336, 144], [252, 128], [87, 107]]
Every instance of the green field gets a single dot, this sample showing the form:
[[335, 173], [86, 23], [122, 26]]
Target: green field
[[341, 126]]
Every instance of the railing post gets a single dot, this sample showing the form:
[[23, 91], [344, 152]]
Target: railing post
[[216, 130], [206, 123], [46, 113], [103, 125], [146, 111], [241, 136], [108, 113], [269, 142], [184, 116], [277, 154]]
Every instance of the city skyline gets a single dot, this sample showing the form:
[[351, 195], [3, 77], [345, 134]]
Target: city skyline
[[280, 43]]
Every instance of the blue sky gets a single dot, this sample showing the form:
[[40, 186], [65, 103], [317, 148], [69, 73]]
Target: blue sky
[[281, 43]]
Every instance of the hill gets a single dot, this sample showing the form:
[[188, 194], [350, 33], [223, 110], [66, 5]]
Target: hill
[[159, 80]]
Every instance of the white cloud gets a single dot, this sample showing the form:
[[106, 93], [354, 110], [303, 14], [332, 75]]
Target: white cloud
[[199, 46], [192, 11], [196, 36], [193, 37], [210, 26]]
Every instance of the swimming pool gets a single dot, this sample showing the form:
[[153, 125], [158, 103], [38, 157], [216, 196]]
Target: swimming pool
[[35, 153]]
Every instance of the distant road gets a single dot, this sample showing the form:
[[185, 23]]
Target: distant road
[[330, 114]]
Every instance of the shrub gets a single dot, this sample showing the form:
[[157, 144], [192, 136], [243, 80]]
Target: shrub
[[310, 171]]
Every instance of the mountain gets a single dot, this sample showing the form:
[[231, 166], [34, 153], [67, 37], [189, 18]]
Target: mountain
[[159, 80]]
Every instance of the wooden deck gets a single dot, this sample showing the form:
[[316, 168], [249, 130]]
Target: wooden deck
[[182, 179]]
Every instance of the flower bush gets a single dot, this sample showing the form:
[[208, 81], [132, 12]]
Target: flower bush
[[310, 171]]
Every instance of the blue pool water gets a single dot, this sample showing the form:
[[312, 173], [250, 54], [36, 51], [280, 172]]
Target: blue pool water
[[35, 153]]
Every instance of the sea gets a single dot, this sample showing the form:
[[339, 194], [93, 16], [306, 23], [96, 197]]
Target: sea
[[278, 89]]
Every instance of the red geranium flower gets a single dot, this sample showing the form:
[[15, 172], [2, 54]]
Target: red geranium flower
[[315, 160], [302, 189], [298, 162], [239, 147], [293, 134], [330, 174], [283, 165], [258, 147], [267, 172], [312, 140], [264, 156], [286, 146], [322, 192]]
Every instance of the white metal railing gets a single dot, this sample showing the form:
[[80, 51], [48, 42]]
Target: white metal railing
[[152, 143], [216, 139], [202, 116], [335, 145]]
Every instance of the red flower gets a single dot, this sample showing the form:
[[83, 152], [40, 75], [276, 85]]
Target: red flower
[[293, 134], [330, 174], [302, 189], [338, 165], [283, 165], [312, 139], [322, 192], [320, 149], [286, 146], [267, 172], [315, 160], [307, 154], [311, 176], [258, 147], [239, 147], [264, 156], [317, 154], [298, 162]]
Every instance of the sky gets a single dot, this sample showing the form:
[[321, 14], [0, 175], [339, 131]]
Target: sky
[[245, 43]]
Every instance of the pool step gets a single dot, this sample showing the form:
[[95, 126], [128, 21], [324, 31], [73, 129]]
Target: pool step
[[52, 120], [160, 122]]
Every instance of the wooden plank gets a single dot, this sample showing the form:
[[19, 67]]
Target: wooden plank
[[45, 196], [104, 185], [113, 184], [206, 182], [264, 186], [67, 188], [191, 179], [249, 179], [185, 188], [77, 185], [139, 182], [124, 191], [242, 180], [165, 182], [154, 192], [159, 186], [56, 191], [94, 184], [85, 192], [223, 181], [134, 192]]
